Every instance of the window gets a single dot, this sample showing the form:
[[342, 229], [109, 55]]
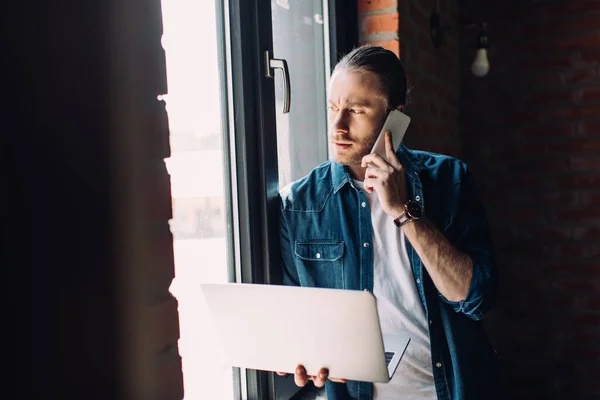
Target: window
[[231, 145], [198, 186]]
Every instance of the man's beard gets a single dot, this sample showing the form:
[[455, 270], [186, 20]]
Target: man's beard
[[359, 150]]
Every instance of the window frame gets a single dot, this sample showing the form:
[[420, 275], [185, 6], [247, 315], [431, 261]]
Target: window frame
[[250, 146]]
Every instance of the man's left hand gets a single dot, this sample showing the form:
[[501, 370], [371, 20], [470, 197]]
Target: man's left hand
[[386, 177]]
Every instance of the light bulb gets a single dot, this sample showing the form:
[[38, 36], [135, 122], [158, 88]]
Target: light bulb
[[481, 65]]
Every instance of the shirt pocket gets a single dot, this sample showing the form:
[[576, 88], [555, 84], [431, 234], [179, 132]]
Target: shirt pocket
[[320, 263]]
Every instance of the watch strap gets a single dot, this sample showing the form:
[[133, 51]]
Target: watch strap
[[403, 219]]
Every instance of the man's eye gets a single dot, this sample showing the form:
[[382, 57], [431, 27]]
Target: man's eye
[[332, 108], [354, 111]]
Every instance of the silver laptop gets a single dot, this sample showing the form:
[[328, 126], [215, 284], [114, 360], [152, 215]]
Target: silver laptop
[[276, 328]]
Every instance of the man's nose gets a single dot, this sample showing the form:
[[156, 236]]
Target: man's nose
[[340, 122]]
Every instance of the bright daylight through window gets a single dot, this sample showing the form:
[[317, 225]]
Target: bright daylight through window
[[196, 167]]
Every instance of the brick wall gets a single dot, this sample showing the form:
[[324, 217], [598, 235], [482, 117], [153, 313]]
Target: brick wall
[[532, 136], [403, 27], [149, 329]]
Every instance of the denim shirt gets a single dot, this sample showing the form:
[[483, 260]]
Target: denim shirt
[[326, 241]]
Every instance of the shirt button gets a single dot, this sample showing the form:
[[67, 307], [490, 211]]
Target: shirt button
[[418, 281], [366, 244], [417, 198], [318, 255], [438, 364], [363, 204], [430, 322]]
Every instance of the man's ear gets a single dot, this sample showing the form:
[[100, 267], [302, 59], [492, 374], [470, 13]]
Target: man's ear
[[400, 108]]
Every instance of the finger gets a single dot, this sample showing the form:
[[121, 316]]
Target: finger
[[321, 378], [300, 377], [369, 184], [374, 159], [372, 172], [337, 380], [390, 153], [281, 373]]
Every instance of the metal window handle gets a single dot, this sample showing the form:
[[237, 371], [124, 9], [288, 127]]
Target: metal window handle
[[275, 63]]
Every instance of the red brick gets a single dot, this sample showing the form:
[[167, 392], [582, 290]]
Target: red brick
[[591, 233], [392, 45], [424, 42], [535, 165], [161, 268], [580, 76], [523, 248], [574, 43], [418, 17], [585, 163], [588, 58], [157, 132], [547, 233], [163, 325], [375, 5], [589, 302], [590, 95], [589, 128], [525, 115], [580, 267], [523, 216], [579, 181], [380, 23], [580, 320], [569, 251], [581, 214], [554, 198], [158, 197], [564, 27], [536, 62], [575, 146], [548, 131], [573, 7], [575, 112], [427, 62], [546, 98], [410, 54], [590, 198], [169, 381], [547, 78], [584, 336]]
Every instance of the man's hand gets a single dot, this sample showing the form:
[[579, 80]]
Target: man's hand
[[301, 379], [386, 178]]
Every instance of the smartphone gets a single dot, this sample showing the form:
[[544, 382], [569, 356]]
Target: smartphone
[[397, 123]]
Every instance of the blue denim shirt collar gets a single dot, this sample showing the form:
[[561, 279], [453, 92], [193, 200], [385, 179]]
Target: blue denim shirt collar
[[412, 166]]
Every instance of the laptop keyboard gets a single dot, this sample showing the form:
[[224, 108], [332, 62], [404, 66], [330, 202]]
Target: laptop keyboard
[[388, 356]]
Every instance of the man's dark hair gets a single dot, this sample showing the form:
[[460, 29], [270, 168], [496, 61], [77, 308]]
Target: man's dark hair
[[385, 64]]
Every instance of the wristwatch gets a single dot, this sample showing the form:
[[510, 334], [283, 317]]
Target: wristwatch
[[412, 211]]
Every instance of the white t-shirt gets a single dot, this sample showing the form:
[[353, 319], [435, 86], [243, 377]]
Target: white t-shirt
[[400, 309]]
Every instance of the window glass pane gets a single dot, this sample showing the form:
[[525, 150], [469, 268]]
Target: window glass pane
[[299, 33], [197, 183], [299, 37]]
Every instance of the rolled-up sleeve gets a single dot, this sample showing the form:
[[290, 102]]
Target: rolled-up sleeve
[[469, 232]]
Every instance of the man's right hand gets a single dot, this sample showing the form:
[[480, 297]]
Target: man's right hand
[[301, 378]]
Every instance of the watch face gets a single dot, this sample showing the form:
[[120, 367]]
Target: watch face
[[414, 209]]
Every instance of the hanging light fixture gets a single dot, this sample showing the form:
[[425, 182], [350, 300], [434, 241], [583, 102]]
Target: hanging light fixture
[[481, 64]]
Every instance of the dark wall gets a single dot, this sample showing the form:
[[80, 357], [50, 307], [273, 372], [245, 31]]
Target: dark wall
[[433, 76], [532, 137], [58, 202], [85, 315]]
